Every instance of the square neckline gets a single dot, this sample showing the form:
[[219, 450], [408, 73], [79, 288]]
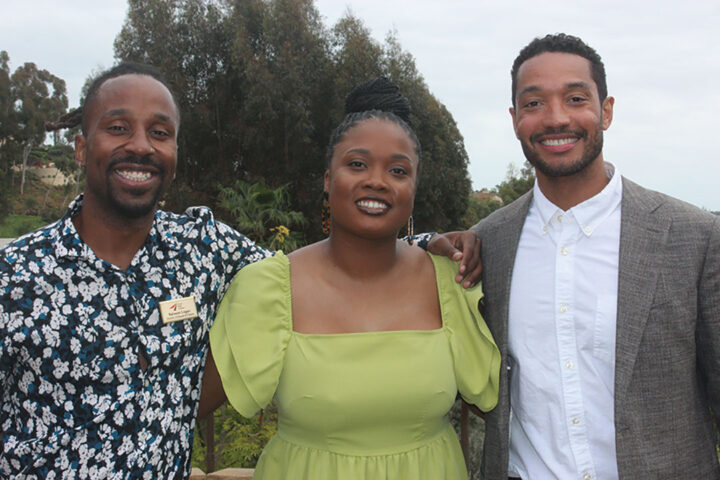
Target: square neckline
[[294, 332]]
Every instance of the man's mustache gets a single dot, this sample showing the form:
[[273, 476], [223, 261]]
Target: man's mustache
[[145, 160], [558, 131]]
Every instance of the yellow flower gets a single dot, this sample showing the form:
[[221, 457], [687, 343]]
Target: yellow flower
[[281, 233]]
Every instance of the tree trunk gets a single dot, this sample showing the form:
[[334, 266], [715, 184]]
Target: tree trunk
[[25, 155]]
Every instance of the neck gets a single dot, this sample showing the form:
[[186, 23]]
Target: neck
[[114, 239], [362, 258], [571, 190]]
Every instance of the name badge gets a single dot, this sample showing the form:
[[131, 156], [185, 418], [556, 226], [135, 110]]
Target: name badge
[[178, 309]]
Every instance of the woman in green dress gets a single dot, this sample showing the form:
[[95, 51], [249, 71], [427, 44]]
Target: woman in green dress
[[363, 340]]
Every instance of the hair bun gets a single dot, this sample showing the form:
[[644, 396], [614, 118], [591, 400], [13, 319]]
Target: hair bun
[[378, 94]]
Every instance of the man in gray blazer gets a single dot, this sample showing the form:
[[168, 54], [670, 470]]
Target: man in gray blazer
[[603, 297]]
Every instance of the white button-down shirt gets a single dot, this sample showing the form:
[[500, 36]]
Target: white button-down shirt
[[561, 332]]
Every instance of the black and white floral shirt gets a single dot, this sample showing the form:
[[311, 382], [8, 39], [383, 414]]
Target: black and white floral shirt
[[74, 400]]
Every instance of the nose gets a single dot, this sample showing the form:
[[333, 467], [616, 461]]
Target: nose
[[556, 114], [375, 179], [139, 144]]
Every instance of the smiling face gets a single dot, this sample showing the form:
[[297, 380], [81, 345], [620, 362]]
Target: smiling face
[[372, 179], [558, 117], [129, 151]]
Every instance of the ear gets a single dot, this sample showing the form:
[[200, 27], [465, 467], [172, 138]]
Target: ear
[[514, 120], [607, 112], [80, 150], [326, 181]]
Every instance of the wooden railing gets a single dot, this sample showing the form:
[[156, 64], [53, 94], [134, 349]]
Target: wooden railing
[[225, 474]]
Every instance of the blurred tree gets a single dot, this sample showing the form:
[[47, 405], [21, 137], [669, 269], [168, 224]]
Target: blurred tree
[[516, 183], [480, 205], [6, 144], [33, 105]]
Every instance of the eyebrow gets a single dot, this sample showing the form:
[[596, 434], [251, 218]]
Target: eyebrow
[[115, 113], [571, 85], [583, 85], [118, 112], [365, 151]]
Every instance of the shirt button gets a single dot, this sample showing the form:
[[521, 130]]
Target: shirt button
[[569, 365], [563, 308], [587, 476], [576, 421], [559, 218], [564, 250], [545, 229], [587, 230]]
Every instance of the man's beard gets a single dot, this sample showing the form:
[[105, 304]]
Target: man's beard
[[590, 152], [134, 210]]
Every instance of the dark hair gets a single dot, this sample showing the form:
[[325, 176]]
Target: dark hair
[[378, 98], [562, 43], [78, 116]]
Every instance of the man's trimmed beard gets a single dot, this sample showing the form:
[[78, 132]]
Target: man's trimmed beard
[[592, 150], [133, 210]]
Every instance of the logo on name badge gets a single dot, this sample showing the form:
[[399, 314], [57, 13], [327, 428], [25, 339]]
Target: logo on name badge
[[178, 309]]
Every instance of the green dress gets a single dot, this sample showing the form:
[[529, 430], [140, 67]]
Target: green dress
[[353, 406]]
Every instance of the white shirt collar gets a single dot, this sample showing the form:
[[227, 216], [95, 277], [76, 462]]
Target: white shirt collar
[[588, 214]]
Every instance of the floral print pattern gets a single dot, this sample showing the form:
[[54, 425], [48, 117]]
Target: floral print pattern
[[74, 399]]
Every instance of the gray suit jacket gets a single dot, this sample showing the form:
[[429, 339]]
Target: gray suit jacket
[[667, 367]]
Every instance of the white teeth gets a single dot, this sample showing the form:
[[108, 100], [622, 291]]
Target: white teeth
[[135, 176], [561, 141], [372, 204]]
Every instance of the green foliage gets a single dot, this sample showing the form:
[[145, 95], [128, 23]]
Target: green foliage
[[28, 98], [33, 103], [261, 213], [516, 183], [238, 440], [16, 225], [479, 207]]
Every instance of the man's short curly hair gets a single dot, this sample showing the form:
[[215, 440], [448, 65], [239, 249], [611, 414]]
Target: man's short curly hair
[[562, 43]]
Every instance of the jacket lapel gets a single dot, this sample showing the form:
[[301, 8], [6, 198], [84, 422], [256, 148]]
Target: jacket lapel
[[642, 235], [504, 240]]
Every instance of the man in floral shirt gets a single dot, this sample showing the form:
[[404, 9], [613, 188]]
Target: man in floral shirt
[[96, 379]]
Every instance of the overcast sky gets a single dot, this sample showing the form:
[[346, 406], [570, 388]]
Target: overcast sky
[[662, 59]]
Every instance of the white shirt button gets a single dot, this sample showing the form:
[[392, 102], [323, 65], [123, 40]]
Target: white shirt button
[[564, 251], [576, 421], [569, 365], [563, 308], [587, 230], [545, 229], [559, 218], [587, 476]]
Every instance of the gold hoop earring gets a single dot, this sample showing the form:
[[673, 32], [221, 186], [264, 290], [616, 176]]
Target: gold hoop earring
[[325, 214]]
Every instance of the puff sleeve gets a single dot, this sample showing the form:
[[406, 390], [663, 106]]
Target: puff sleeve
[[251, 332], [475, 355]]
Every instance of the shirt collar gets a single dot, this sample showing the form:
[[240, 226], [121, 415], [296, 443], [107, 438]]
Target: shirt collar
[[70, 246], [588, 214]]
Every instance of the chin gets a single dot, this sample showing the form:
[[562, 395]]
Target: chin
[[134, 209]]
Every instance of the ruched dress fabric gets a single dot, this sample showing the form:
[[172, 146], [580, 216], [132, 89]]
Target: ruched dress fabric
[[352, 406]]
